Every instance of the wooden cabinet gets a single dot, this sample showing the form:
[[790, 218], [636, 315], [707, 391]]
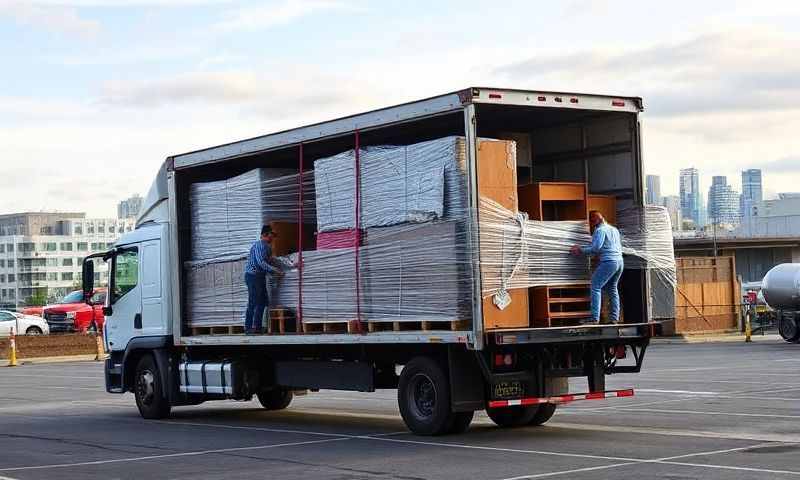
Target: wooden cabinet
[[554, 201], [605, 204], [497, 180]]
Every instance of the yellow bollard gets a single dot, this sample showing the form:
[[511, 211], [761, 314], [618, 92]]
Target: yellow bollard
[[12, 349], [748, 331], [100, 350]]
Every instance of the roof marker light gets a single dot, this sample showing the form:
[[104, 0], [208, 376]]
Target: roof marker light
[[617, 103], [495, 95], [541, 98], [558, 99], [573, 100]]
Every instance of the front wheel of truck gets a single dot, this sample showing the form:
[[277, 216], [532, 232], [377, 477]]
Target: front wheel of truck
[[423, 395], [147, 388], [509, 417], [277, 399], [544, 413]]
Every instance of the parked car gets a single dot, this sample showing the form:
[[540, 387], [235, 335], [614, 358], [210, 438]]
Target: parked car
[[38, 311], [22, 324], [73, 314]]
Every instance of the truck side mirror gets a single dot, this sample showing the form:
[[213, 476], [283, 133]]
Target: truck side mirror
[[88, 279]]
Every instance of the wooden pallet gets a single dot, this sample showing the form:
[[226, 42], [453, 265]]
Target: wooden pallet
[[330, 327], [561, 305], [282, 321], [218, 330], [380, 326]]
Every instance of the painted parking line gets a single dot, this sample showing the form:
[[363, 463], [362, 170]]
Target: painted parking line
[[168, 455], [707, 412], [667, 461]]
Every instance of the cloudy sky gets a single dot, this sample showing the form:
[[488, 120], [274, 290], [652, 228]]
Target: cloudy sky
[[95, 93]]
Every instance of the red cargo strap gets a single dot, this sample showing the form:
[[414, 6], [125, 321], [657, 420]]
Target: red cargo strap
[[299, 322], [358, 228], [628, 392]]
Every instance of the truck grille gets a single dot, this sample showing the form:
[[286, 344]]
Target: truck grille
[[55, 317], [58, 322]]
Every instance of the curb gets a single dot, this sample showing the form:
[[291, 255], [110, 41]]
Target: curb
[[60, 359], [685, 339]]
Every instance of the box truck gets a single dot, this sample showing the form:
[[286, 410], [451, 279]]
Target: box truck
[[504, 335]]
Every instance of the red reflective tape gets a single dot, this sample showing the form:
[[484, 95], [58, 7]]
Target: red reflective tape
[[498, 403], [595, 395], [565, 398], [625, 393]]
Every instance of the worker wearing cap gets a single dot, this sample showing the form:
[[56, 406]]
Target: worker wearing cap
[[607, 246], [257, 274]]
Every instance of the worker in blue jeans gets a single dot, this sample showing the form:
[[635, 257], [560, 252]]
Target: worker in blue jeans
[[257, 273], [607, 246]]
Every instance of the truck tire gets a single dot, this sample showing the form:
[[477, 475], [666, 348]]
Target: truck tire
[[276, 399], [788, 327], [147, 389], [461, 421], [509, 417], [423, 395], [544, 413]]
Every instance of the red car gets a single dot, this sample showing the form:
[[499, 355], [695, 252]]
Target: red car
[[72, 314]]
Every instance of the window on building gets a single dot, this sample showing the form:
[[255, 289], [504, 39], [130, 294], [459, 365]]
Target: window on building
[[2, 278], [10, 247], [11, 264], [66, 246], [83, 246], [3, 293], [52, 276], [79, 261], [26, 247], [38, 262], [2, 247], [12, 294], [112, 229], [11, 278], [66, 262], [90, 228], [2, 263], [78, 230], [101, 229], [53, 262], [50, 246], [94, 246], [66, 276]]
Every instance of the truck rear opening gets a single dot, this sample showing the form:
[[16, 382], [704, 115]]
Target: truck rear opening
[[433, 235]]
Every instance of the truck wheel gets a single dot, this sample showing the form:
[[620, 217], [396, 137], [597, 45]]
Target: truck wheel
[[147, 389], [508, 417], [461, 421], [543, 413], [788, 328], [423, 395], [277, 399]]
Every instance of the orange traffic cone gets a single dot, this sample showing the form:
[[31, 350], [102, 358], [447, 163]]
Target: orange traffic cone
[[12, 349]]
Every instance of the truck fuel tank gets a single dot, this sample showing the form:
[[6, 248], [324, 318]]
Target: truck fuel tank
[[781, 287]]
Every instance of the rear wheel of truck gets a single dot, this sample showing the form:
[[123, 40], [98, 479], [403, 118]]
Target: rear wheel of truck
[[507, 417], [788, 327], [544, 413], [423, 395], [277, 399], [150, 397]]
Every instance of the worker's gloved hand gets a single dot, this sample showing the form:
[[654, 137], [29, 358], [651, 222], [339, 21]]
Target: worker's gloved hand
[[575, 250]]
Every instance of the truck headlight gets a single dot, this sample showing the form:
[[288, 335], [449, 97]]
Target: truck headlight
[[70, 315]]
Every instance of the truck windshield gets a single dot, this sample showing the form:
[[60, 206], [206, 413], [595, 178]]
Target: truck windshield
[[74, 297]]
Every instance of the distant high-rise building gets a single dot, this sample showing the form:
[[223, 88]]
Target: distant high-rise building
[[129, 207], [673, 206], [723, 202], [752, 191], [653, 190], [690, 195]]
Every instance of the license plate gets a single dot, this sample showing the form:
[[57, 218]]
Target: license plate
[[511, 389]]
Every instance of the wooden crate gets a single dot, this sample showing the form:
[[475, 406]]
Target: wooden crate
[[286, 234], [561, 305], [282, 321], [707, 296], [513, 316], [554, 201]]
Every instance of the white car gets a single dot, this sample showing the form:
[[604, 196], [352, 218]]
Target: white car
[[22, 324]]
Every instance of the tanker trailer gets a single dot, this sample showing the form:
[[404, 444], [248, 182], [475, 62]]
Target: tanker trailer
[[781, 288]]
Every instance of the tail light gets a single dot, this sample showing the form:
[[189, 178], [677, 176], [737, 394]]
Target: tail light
[[620, 351], [503, 359]]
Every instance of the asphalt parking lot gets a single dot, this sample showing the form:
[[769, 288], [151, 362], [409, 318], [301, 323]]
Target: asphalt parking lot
[[725, 410]]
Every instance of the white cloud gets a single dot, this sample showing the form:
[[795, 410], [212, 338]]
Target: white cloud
[[56, 18], [274, 14]]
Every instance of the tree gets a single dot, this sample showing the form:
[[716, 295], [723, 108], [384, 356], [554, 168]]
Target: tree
[[38, 298]]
